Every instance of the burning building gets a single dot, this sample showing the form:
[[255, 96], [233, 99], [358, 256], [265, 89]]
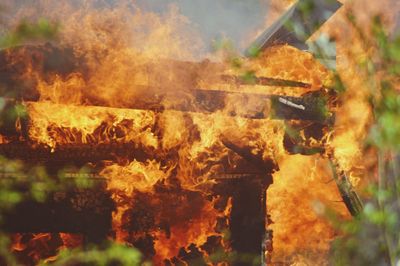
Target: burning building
[[190, 162]]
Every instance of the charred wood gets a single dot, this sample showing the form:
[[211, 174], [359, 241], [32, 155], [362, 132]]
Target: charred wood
[[74, 210], [312, 106], [264, 81], [350, 197], [255, 160], [247, 223], [75, 154]]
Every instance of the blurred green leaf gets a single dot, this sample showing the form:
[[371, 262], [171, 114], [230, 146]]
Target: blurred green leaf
[[249, 77], [254, 51], [26, 31], [114, 254]]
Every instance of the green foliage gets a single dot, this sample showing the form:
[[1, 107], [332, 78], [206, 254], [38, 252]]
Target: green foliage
[[10, 113], [6, 257], [224, 45], [374, 237], [113, 255], [249, 77], [339, 87], [254, 51], [25, 31], [365, 240]]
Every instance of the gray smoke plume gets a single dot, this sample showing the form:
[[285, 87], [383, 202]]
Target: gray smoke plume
[[235, 20]]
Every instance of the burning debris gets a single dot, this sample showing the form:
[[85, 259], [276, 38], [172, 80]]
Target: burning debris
[[181, 155]]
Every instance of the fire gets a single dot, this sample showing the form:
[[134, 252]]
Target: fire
[[71, 240], [31, 248], [60, 124], [134, 176], [122, 88], [302, 184], [287, 63], [184, 233]]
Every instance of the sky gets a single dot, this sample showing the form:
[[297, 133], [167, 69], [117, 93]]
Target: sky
[[216, 19]]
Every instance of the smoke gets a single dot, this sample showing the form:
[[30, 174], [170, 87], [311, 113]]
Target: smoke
[[235, 20], [210, 20]]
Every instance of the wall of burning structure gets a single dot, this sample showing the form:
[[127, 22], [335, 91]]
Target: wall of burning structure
[[182, 153]]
